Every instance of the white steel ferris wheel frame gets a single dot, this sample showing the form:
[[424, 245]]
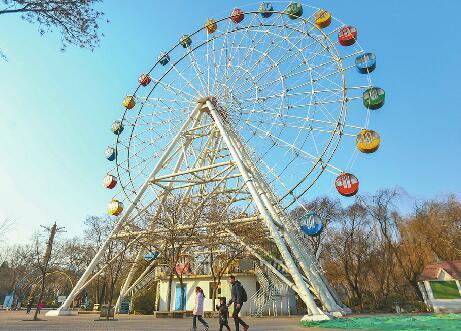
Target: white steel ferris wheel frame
[[274, 220], [306, 278]]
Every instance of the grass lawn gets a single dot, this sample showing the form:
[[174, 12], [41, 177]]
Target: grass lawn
[[445, 322]]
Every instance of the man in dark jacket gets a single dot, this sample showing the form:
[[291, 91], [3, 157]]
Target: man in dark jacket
[[237, 297]]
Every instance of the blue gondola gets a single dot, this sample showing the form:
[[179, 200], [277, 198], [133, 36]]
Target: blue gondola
[[266, 9], [110, 153], [163, 59], [311, 224], [365, 63], [150, 256]]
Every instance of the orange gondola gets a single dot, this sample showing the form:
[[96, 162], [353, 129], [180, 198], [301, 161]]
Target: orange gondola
[[237, 15], [144, 79], [347, 184], [347, 36]]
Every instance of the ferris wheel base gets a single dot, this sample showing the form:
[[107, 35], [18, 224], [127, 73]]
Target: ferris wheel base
[[62, 312], [315, 318]]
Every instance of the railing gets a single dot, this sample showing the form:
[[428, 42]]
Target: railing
[[144, 284], [271, 292]]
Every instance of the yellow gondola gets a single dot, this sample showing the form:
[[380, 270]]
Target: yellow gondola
[[367, 141], [115, 208], [211, 25], [322, 18], [129, 102]]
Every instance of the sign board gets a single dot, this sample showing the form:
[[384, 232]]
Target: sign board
[[61, 298]]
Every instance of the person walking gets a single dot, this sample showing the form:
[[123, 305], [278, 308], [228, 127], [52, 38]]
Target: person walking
[[238, 297], [29, 306], [40, 306], [198, 309], [223, 314]]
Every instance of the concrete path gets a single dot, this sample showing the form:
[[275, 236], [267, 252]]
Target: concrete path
[[13, 321]]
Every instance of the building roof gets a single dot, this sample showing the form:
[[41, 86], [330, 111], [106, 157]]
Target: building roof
[[431, 271]]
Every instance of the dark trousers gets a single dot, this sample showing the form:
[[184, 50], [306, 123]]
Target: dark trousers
[[221, 325], [236, 317], [200, 319]]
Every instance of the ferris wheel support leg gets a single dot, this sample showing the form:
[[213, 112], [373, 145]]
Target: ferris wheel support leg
[[64, 309], [128, 279], [315, 312], [304, 259], [139, 256]]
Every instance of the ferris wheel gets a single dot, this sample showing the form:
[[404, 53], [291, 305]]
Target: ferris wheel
[[286, 79], [251, 108]]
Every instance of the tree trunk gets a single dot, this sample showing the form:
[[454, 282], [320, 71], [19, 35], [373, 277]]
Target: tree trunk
[[40, 297], [102, 294], [111, 297]]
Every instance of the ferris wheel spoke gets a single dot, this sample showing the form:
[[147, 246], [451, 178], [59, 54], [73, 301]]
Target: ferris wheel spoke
[[158, 114], [262, 74], [188, 82], [150, 129], [264, 54], [264, 36], [223, 50], [315, 120], [178, 92], [236, 49], [302, 127], [282, 93], [283, 58], [314, 159], [199, 73]]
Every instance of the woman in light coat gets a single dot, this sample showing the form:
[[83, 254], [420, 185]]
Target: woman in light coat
[[198, 309]]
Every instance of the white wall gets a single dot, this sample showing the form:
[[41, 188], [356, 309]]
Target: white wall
[[248, 282]]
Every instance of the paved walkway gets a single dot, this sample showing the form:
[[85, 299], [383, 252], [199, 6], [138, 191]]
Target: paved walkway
[[13, 321]]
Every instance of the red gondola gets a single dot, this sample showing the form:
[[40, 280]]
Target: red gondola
[[144, 79], [237, 15], [347, 184], [347, 36], [109, 181]]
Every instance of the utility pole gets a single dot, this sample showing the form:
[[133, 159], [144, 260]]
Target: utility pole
[[46, 259]]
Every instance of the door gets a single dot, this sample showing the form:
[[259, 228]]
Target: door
[[178, 296]]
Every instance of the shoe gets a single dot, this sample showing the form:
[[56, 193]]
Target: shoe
[[246, 327]]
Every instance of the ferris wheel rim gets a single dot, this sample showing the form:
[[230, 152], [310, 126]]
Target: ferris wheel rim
[[235, 30]]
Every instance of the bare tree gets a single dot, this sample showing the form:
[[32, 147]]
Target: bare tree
[[43, 266], [77, 21], [350, 252], [178, 219], [7, 224]]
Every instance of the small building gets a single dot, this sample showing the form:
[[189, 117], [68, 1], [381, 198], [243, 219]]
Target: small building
[[440, 285], [266, 294]]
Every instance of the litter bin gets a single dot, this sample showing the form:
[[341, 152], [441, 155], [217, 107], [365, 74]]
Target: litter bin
[[105, 311]]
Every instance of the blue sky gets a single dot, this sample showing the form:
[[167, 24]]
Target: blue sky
[[57, 108]]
